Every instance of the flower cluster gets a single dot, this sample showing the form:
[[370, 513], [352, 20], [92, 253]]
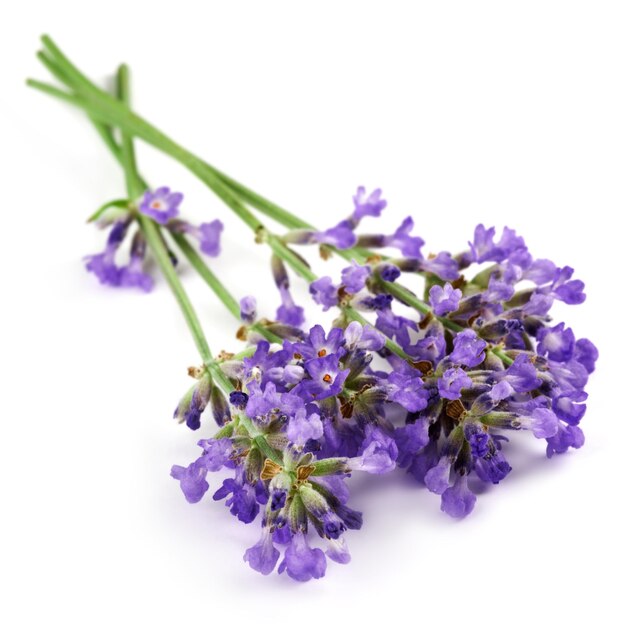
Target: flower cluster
[[162, 206], [478, 357], [432, 385], [302, 417]]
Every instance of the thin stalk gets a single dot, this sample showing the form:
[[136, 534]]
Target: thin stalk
[[99, 105], [218, 288], [151, 231], [205, 272], [507, 360], [194, 258]]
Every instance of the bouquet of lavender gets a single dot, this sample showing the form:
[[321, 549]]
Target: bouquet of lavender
[[430, 385]]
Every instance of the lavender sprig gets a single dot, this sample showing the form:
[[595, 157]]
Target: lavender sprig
[[298, 417]]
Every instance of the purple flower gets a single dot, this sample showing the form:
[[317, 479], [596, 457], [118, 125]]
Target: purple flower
[[303, 427], [238, 399], [410, 246], [492, 468], [442, 265], [216, 453], [543, 422], [247, 309], [410, 439], [278, 499], [499, 290], [378, 453], [479, 440], [379, 302], [354, 276], [192, 480], [132, 275], [430, 348], [452, 382], [437, 479], [193, 403], [485, 249], [541, 271], [557, 342], [324, 292], [338, 550], [566, 437], [262, 556], [568, 408], [458, 501], [103, 264], [489, 463], [319, 345], [522, 375], [263, 403], [566, 290], [288, 312], [444, 299], [407, 389], [362, 337], [209, 236], [302, 562], [364, 205], [326, 378], [586, 354], [242, 501], [468, 349], [389, 272], [341, 236], [161, 205]]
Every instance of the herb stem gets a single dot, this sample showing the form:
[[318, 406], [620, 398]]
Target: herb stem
[[135, 187]]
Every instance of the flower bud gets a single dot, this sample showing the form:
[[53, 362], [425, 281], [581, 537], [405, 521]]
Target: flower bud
[[313, 501], [219, 407], [325, 467], [297, 515], [253, 465], [193, 403]]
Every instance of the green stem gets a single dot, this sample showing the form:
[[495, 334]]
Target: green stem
[[281, 250], [227, 299], [151, 230], [507, 360], [207, 275], [99, 105], [139, 185], [131, 123]]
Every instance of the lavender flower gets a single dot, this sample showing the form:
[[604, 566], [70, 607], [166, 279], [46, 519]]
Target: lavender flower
[[468, 349], [301, 562], [458, 501], [247, 308], [192, 480], [133, 275], [409, 245], [324, 408], [353, 277], [341, 236], [367, 205], [444, 299], [103, 264], [324, 292], [263, 556], [209, 235], [161, 205], [452, 382]]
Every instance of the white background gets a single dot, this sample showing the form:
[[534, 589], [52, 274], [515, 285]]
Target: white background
[[497, 112]]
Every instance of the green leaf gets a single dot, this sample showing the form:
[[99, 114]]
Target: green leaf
[[123, 203]]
